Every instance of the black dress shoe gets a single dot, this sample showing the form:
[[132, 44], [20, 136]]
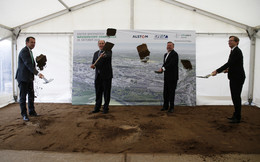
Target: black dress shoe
[[164, 109], [170, 110], [105, 111], [33, 114], [234, 121], [25, 118], [95, 111]]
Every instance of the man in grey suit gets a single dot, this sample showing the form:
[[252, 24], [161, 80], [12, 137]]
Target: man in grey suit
[[25, 76], [171, 76]]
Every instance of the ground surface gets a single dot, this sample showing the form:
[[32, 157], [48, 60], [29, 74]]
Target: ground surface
[[131, 129]]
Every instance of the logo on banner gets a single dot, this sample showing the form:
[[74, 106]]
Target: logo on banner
[[183, 35], [162, 36], [140, 36]]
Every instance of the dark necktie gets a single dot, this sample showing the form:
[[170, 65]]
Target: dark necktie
[[100, 52]]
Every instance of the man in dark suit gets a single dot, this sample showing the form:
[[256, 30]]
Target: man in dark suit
[[236, 76], [171, 76], [103, 77], [25, 76]]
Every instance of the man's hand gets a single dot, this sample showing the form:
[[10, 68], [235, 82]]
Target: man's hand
[[226, 71], [160, 70], [92, 66], [214, 73], [102, 55], [41, 75]]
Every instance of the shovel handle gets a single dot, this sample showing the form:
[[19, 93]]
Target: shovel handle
[[98, 59]]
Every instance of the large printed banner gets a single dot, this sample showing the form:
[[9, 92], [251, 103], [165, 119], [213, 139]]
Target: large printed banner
[[134, 81]]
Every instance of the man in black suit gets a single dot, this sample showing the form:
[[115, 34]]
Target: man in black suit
[[236, 76], [25, 76], [171, 76], [103, 77]]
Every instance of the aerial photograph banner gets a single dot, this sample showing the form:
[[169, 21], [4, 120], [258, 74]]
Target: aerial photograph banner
[[137, 54]]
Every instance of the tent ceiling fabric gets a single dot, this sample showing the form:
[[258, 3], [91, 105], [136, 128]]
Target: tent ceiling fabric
[[242, 11], [14, 13], [17, 12], [94, 18], [167, 16]]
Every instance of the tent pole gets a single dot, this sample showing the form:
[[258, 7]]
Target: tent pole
[[16, 33], [251, 34], [14, 65], [6, 27], [64, 4], [71, 63], [132, 11]]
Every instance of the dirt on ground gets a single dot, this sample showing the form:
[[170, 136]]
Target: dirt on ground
[[131, 129]]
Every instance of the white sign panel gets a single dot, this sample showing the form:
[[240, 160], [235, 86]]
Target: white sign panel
[[134, 82]]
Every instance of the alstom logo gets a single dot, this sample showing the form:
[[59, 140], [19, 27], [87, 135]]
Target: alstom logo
[[140, 36]]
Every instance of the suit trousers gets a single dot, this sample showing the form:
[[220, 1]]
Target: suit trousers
[[169, 93], [236, 89], [26, 88], [102, 86]]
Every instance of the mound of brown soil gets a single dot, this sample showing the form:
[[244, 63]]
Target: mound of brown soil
[[134, 129]]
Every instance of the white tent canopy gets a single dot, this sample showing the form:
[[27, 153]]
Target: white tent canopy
[[52, 24]]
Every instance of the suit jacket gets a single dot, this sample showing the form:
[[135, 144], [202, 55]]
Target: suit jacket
[[26, 69], [171, 66], [234, 65], [104, 65]]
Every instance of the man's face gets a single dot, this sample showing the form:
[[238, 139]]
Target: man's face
[[231, 42], [101, 44], [31, 43], [169, 47]]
